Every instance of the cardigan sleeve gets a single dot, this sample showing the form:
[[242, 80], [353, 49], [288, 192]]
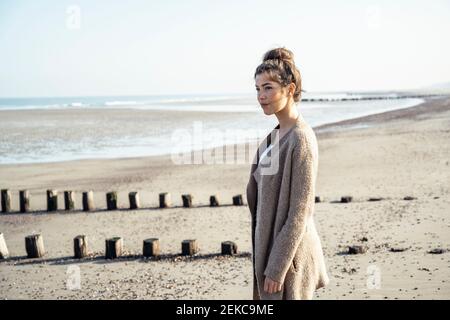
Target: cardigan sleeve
[[252, 189], [301, 204], [252, 193]]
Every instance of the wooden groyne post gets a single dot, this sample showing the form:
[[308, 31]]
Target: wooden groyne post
[[346, 199], [151, 247], [52, 200], [187, 200], [4, 254], [88, 201], [69, 200], [6, 200], [237, 200], [34, 246], [213, 201], [134, 200], [80, 247], [164, 200], [229, 248], [111, 200], [189, 247], [24, 196], [114, 248]]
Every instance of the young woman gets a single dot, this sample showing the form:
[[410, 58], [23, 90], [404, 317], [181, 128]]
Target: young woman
[[288, 261]]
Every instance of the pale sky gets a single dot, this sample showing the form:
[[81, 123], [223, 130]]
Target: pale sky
[[212, 47]]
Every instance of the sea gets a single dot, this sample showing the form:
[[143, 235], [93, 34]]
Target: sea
[[64, 129]]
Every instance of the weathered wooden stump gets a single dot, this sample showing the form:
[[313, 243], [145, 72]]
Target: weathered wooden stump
[[318, 199], [189, 247], [114, 248], [237, 200], [6, 200], [346, 199], [111, 200], [229, 248], [213, 201], [187, 200], [151, 247], [134, 200], [69, 200], [24, 196], [437, 251], [4, 254], [80, 247], [357, 249], [164, 200], [88, 201], [398, 249], [52, 200], [34, 246]]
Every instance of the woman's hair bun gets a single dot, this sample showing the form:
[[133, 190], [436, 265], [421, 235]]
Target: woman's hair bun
[[282, 54]]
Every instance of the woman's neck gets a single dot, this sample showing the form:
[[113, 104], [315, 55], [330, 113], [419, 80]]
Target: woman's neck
[[287, 117]]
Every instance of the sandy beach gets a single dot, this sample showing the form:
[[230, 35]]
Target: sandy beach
[[390, 155]]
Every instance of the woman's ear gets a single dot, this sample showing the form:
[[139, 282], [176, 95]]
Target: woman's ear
[[292, 88]]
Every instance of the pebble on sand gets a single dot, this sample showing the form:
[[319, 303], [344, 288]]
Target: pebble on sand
[[398, 249], [437, 251], [357, 249]]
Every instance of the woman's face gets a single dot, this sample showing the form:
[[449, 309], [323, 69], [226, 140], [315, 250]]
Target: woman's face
[[271, 95]]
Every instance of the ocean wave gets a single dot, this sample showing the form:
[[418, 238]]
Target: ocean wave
[[122, 103], [32, 107]]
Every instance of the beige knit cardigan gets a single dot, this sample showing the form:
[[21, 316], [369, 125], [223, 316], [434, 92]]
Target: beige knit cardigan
[[286, 245]]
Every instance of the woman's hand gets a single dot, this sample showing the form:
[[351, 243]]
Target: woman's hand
[[271, 286]]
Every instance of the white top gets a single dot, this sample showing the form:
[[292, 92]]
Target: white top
[[265, 152]]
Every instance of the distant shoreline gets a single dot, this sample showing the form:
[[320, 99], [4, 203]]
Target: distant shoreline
[[430, 105], [161, 102]]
